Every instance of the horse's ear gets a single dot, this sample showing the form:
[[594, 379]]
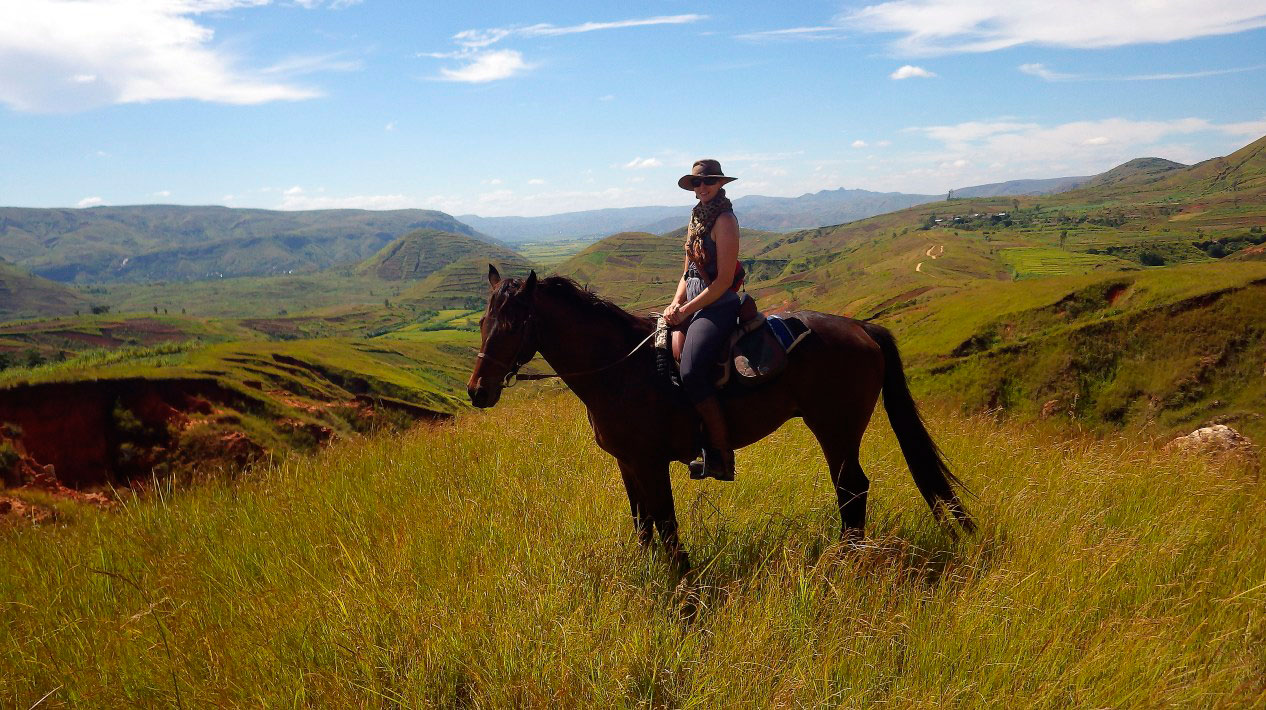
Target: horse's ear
[[528, 285], [494, 276]]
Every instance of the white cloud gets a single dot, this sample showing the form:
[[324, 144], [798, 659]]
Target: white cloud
[[929, 27], [977, 152], [1043, 72], [332, 4], [536, 181], [883, 144], [391, 126], [859, 143], [296, 198], [1040, 71], [507, 202], [796, 33], [69, 56], [640, 163], [163, 193], [608, 97], [483, 38], [482, 67], [909, 71], [89, 202]]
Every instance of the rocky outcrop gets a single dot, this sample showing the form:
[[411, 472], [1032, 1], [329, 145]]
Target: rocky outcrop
[[1218, 439]]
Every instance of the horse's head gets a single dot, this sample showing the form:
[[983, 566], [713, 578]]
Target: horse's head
[[507, 339]]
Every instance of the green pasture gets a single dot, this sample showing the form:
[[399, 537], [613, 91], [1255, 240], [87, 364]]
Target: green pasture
[[1036, 262], [549, 254], [491, 563]]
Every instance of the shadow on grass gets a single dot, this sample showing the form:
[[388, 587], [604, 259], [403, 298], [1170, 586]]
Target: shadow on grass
[[726, 559]]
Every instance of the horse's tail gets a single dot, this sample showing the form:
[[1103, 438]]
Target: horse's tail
[[931, 474]]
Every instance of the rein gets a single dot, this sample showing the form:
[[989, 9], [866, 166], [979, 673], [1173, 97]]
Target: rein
[[512, 371]]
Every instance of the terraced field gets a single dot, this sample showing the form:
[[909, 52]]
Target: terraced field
[[1036, 262]]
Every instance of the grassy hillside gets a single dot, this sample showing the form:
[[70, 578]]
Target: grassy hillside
[[249, 296], [633, 268], [1106, 574], [111, 417], [173, 242], [23, 295], [421, 253], [462, 284]]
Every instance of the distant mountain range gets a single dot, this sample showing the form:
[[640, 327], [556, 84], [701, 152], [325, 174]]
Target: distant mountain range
[[172, 242], [1048, 186], [780, 214]]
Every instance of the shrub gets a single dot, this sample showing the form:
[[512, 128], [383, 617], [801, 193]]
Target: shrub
[[1151, 258]]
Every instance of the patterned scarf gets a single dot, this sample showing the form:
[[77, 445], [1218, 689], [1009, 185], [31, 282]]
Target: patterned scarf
[[702, 217]]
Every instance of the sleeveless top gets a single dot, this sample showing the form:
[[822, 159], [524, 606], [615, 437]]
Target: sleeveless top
[[695, 282]]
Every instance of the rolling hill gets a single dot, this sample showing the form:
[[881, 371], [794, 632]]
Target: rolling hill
[[1043, 186], [23, 295], [441, 269], [420, 253], [171, 242]]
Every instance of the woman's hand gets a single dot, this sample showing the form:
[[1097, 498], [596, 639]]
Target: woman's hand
[[673, 314]]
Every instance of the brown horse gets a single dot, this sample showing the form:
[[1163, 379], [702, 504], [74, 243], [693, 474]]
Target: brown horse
[[833, 382]]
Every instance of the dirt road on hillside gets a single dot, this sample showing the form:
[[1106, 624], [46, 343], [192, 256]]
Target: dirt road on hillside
[[940, 251]]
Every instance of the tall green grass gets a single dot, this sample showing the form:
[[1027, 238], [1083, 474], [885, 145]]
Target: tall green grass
[[490, 562]]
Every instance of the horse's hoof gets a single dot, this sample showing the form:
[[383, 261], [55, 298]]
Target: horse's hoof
[[853, 538]]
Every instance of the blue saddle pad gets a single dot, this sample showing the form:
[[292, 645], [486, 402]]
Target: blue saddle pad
[[782, 332]]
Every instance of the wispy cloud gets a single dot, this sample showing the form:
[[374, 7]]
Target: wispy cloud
[[482, 67], [1040, 71], [640, 163], [795, 33], [90, 202], [297, 198], [311, 64], [1043, 72], [484, 38], [859, 143], [929, 27], [480, 64], [71, 56], [1029, 147], [909, 72]]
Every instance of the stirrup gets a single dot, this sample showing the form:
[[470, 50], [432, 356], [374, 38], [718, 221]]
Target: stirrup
[[705, 467]]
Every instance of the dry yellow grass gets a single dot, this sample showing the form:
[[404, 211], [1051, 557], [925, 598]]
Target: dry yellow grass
[[491, 563]]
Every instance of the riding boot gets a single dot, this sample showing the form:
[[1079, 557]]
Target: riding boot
[[718, 457]]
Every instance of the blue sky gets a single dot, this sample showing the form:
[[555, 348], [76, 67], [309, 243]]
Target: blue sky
[[501, 108]]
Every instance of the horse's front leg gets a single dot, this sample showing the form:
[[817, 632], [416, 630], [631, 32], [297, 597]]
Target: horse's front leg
[[633, 486], [651, 496]]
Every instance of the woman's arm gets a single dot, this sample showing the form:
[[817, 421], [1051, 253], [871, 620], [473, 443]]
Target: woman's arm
[[672, 312], [725, 234]]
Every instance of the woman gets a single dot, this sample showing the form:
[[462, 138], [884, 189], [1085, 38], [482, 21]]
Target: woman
[[704, 309]]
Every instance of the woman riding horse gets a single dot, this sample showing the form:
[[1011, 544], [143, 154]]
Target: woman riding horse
[[705, 307], [833, 381]]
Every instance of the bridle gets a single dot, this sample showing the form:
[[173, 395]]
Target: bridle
[[512, 375]]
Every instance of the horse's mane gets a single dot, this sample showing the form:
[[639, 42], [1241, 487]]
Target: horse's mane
[[568, 290]]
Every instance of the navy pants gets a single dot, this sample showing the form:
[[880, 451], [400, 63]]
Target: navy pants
[[707, 332]]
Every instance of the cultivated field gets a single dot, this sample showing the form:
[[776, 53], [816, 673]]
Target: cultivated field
[[490, 562]]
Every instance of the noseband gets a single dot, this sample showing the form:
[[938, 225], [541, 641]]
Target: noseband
[[512, 370]]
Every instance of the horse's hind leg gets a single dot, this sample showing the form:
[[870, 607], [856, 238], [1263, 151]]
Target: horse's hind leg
[[842, 449]]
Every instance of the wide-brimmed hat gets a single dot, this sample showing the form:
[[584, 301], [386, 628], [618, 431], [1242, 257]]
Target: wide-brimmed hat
[[704, 167]]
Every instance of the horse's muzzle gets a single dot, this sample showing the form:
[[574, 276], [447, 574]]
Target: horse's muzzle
[[484, 397]]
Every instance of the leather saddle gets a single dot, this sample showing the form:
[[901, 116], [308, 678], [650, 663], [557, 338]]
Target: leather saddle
[[757, 351]]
